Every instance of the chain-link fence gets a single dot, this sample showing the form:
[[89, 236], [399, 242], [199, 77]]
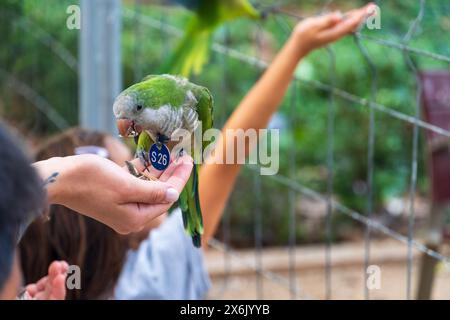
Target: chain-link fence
[[149, 34]]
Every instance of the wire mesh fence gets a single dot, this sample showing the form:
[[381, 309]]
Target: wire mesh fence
[[146, 27], [333, 206]]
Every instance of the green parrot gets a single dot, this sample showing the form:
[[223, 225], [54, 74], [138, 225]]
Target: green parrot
[[152, 111], [193, 50]]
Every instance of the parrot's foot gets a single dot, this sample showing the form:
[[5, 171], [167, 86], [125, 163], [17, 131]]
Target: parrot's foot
[[144, 175], [148, 176], [162, 139], [197, 240], [147, 166], [142, 155], [132, 169]]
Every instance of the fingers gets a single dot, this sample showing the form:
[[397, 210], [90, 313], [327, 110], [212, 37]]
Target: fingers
[[147, 213], [31, 289], [165, 191], [154, 172], [150, 192], [140, 167], [141, 201], [40, 285], [58, 288], [178, 172], [54, 269], [351, 22], [52, 286], [359, 15], [175, 176], [64, 267], [328, 20]]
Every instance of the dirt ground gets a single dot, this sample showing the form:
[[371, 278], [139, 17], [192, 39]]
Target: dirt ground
[[347, 276]]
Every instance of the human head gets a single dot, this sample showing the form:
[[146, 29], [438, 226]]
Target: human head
[[21, 199]]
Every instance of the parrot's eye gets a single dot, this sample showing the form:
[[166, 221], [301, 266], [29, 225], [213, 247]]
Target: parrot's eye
[[139, 107]]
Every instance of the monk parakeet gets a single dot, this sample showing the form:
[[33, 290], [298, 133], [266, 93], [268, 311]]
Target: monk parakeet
[[152, 111], [192, 52]]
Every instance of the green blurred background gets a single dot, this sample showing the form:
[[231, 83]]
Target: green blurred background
[[38, 50]]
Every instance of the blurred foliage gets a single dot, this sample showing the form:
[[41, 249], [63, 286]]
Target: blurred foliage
[[33, 32], [27, 54]]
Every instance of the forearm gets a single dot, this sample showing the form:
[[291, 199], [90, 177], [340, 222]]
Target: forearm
[[63, 168], [254, 112], [256, 109], [258, 106]]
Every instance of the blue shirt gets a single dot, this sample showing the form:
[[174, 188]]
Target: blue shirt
[[165, 266]]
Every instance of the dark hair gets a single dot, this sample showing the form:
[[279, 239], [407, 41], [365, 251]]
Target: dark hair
[[21, 198], [97, 249]]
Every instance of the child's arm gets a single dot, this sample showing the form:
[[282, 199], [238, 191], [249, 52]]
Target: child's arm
[[256, 109]]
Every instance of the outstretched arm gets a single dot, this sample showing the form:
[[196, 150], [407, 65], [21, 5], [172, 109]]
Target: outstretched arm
[[257, 107]]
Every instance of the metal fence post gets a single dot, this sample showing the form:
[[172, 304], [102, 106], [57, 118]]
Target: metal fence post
[[436, 109], [100, 78], [433, 241]]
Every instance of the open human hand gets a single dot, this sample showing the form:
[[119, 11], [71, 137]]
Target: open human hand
[[52, 286], [99, 188], [315, 32]]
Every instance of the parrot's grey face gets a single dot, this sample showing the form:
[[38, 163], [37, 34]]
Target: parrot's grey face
[[129, 107], [128, 112], [125, 107], [133, 117]]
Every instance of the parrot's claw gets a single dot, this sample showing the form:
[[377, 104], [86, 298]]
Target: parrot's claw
[[132, 169], [147, 166], [162, 139], [136, 138], [143, 156], [144, 176]]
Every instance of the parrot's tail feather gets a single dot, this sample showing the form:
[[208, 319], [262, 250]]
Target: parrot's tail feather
[[197, 197], [190, 207], [185, 218], [197, 240], [251, 11], [183, 203], [190, 55]]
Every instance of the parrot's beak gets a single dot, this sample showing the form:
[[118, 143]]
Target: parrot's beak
[[127, 128], [124, 126]]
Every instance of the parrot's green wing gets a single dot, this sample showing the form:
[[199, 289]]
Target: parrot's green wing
[[205, 108], [190, 198]]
